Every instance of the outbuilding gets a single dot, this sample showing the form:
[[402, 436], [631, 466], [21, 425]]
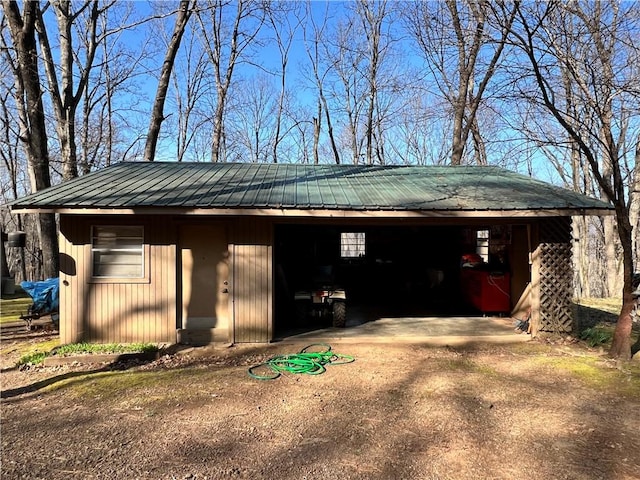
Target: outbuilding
[[203, 252]]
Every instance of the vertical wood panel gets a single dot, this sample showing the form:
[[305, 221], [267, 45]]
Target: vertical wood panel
[[269, 281], [168, 319], [145, 318], [126, 312], [157, 296], [78, 301], [239, 287], [160, 297], [535, 280], [81, 301], [253, 285], [117, 312], [67, 281], [253, 280], [162, 312]]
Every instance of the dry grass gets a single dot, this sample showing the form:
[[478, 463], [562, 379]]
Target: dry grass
[[610, 305], [14, 305]]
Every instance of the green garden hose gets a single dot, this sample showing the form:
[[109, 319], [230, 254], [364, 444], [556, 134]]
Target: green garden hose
[[307, 361]]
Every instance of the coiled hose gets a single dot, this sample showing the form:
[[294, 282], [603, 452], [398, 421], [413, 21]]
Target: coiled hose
[[307, 361]]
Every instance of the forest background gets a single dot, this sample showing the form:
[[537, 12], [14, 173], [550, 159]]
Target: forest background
[[548, 89]]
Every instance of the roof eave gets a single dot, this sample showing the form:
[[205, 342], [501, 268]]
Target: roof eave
[[321, 213]]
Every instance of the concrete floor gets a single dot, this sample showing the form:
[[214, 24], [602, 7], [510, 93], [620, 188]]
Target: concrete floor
[[377, 327]]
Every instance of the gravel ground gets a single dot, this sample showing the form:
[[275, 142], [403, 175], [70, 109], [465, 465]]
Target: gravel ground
[[534, 411]]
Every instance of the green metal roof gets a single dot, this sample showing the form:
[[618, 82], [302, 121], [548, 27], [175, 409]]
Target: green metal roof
[[172, 185]]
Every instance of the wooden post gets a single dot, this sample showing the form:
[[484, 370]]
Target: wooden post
[[534, 261]]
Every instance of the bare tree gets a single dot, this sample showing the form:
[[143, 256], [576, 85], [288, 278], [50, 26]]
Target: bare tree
[[226, 38], [185, 9], [83, 75], [104, 115], [304, 141], [66, 96], [252, 124], [190, 79], [634, 208], [11, 173], [313, 41], [280, 18], [349, 53], [471, 35], [419, 132], [31, 115], [600, 60], [567, 162], [372, 16]]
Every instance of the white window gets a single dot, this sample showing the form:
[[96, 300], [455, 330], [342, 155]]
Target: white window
[[117, 251], [482, 244], [352, 244]]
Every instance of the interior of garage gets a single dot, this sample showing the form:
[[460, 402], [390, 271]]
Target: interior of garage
[[393, 270]]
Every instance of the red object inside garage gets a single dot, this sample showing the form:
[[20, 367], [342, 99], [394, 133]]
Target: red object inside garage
[[485, 290]]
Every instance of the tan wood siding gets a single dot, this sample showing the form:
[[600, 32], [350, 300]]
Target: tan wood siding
[[117, 311], [204, 280], [71, 286], [253, 280], [519, 256], [536, 262]]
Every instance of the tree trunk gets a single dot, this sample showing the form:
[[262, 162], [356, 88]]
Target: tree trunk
[[312, 48], [157, 113], [316, 134], [634, 206], [36, 148], [218, 124], [65, 97], [458, 32], [621, 344], [222, 36], [612, 262], [479, 147]]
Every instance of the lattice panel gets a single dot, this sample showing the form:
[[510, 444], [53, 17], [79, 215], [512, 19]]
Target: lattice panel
[[556, 275]]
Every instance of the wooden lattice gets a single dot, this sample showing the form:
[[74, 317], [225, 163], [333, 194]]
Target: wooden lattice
[[556, 275]]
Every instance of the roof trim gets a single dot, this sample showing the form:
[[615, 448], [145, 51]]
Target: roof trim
[[321, 213]]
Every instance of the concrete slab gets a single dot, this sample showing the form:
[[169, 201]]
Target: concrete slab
[[443, 330]]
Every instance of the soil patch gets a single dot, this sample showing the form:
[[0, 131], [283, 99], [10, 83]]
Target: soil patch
[[531, 410]]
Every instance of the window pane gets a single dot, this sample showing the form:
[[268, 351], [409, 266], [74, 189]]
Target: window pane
[[352, 244], [118, 251], [482, 244]]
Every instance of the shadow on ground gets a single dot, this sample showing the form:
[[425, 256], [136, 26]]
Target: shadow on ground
[[587, 317]]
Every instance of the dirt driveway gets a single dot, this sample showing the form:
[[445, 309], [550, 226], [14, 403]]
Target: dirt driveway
[[528, 410]]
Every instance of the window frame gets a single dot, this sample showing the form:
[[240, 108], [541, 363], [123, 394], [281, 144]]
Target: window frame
[[358, 244], [483, 243], [144, 253]]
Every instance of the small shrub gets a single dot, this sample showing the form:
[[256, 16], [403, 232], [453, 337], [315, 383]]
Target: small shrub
[[36, 357], [84, 348], [596, 336], [32, 358]]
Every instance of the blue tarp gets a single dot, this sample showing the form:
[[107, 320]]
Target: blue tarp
[[45, 295]]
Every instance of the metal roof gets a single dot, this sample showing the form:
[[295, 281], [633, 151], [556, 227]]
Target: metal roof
[[173, 185]]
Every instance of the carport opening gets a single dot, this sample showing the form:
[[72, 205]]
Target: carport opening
[[387, 271]]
